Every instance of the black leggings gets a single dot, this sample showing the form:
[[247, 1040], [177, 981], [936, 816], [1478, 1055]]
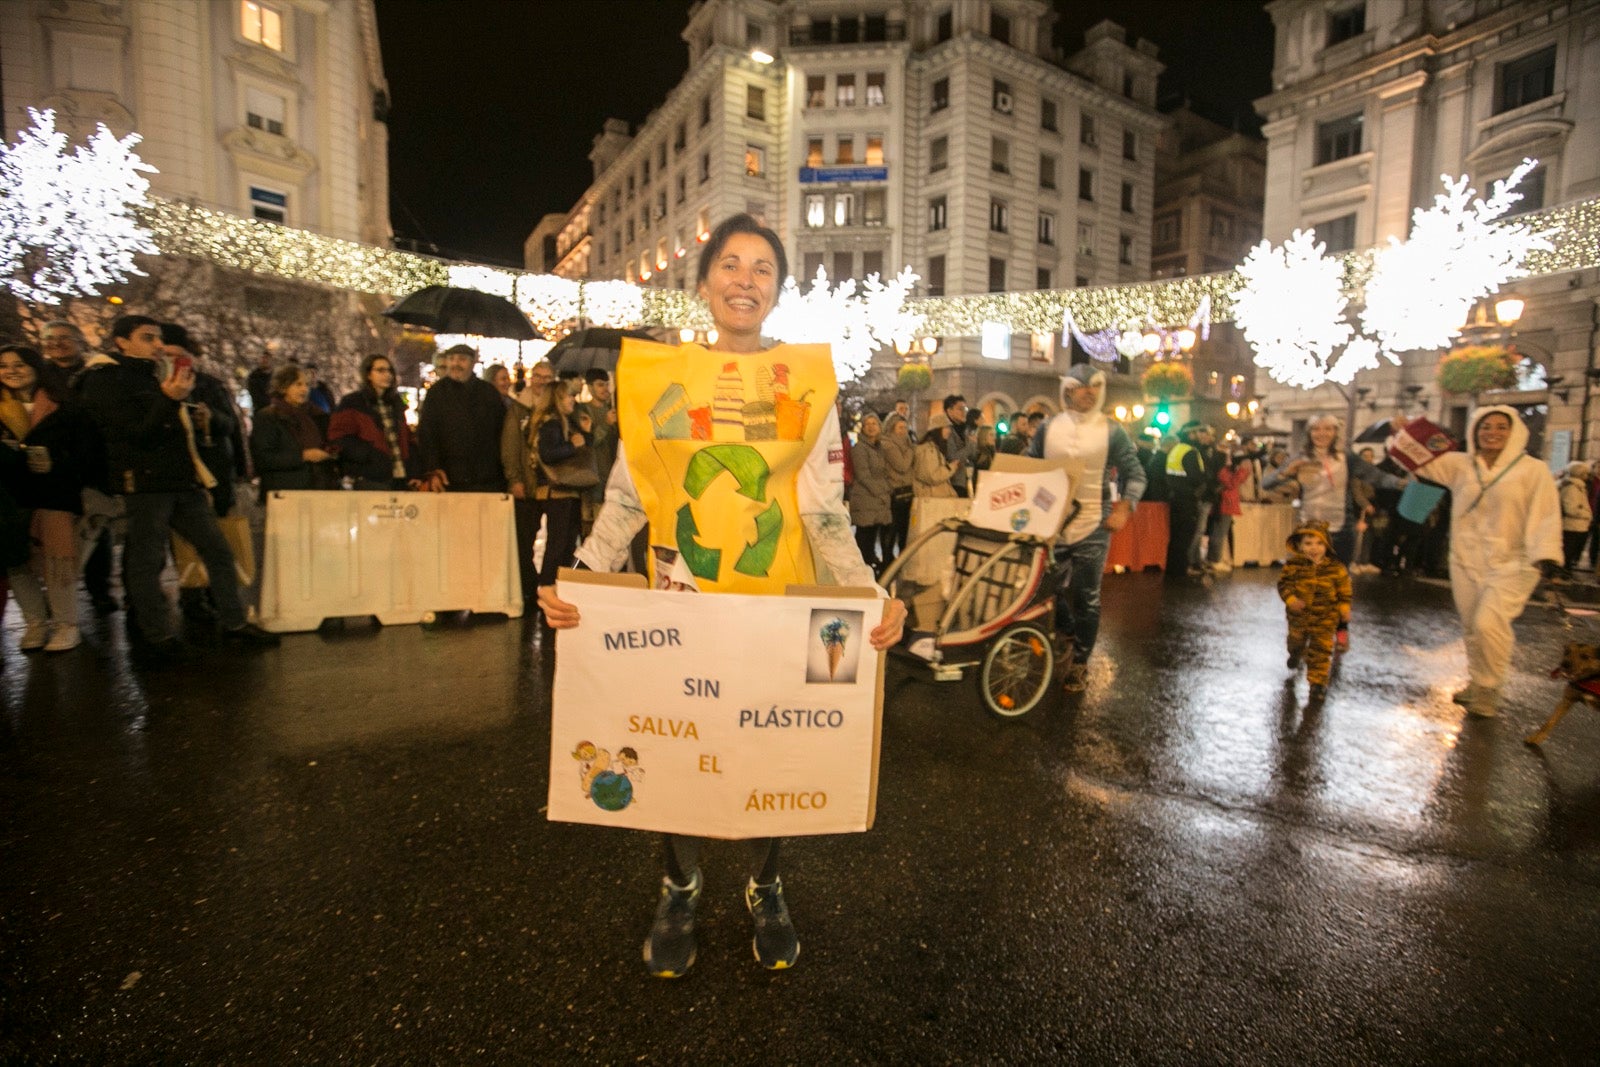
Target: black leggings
[[683, 857]]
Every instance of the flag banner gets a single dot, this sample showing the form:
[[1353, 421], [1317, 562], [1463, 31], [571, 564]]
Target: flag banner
[[716, 715], [1418, 442]]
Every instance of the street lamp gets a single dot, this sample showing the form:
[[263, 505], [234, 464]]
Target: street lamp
[[1508, 309]]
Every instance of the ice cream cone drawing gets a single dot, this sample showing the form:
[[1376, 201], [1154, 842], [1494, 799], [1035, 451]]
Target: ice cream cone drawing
[[834, 634]]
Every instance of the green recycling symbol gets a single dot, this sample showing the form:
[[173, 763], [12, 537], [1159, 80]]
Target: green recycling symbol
[[750, 471]]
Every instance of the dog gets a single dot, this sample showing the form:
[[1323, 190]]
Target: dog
[[1580, 667]]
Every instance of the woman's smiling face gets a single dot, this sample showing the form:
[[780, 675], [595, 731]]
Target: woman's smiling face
[[742, 285]]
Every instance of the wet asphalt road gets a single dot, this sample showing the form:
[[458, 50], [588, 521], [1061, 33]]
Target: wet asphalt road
[[334, 852]]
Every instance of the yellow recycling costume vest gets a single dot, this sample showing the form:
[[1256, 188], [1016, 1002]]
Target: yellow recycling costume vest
[[715, 442]]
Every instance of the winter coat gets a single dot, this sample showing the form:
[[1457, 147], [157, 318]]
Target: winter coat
[[1324, 586], [1505, 518], [899, 455], [1231, 478], [76, 457], [869, 495], [279, 458], [357, 429], [930, 471], [554, 437], [221, 442], [147, 446], [1576, 514], [458, 432]]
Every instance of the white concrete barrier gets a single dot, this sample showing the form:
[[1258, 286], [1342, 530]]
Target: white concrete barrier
[[399, 556]]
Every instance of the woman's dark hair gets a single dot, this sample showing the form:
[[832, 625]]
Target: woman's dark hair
[[173, 333], [283, 378], [740, 224], [366, 372], [47, 378]]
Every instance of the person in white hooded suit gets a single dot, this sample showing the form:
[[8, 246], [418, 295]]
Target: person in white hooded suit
[[1505, 528], [1086, 444]]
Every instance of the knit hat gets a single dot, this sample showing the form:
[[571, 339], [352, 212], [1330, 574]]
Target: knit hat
[[1314, 527]]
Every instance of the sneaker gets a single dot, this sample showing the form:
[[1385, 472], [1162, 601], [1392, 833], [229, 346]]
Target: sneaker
[[34, 637], [252, 635], [1315, 697], [63, 638], [1075, 679], [1485, 704], [776, 944], [1465, 695], [1222, 568], [669, 950], [1341, 641], [1294, 661]]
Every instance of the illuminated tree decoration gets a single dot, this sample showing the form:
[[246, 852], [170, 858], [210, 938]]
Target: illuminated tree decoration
[[67, 222], [855, 325], [1423, 290], [1291, 309]]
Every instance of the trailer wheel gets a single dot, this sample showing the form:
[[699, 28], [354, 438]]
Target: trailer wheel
[[1017, 670]]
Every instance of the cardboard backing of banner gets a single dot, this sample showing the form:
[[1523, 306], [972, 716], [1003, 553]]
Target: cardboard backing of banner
[[716, 715]]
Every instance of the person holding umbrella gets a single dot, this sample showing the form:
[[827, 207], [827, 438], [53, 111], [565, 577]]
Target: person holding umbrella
[[761, 394], [459, 427]]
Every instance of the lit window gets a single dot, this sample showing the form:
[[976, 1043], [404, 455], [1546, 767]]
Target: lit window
[[844, 91], [816, 210], [844, 209], [875, 87], [755, 161], [846, 155], [261, 23], [874, 150], [814, 152]]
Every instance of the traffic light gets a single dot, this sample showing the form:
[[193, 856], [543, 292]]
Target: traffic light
[[1002, 428], [1163, 417]]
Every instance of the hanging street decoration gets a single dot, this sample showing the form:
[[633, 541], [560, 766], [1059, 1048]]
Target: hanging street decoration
[[68, 223], [855, 324], [1291, 309]]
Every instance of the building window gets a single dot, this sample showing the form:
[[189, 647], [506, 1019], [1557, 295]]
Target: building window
[[1002, 99], [874, 207], [1127, 86], [601, 211], [755, 161], [816, 90], [1047, 172], [755, 35], [1080, 281], [1125, 249], [661, 157], [1086, 131], [1041, 278], [1167, 230], [1047, 228], [1339, 235], [874, 156], [1130, 145], [938, 217], [997, 275], [631, 187], [1522, 81], [938, 154], [269, 205], [935, 278], [945, 28], [1000, 27], [941, 95], [630, 231], [876, 81], [1221, 225], [705, 111], [1047, 114], [1127, 197], [264, 111], [843, 266], [816, 210], [662, 252], [846, 155], [814, 152], [871, 263], [1345, 24], [874, 28], [702, 222], [705, 167], [1085, 184], [1000, 155], [755, 103], [680, 138], [813, 264], [844, 90], [261, 24], [644, 173], [661, 204], [1086, 239], [1339, 138], [682, 189], [999, 216], [844, 209]]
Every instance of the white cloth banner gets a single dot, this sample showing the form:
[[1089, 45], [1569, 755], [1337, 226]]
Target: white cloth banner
[[716, 715]]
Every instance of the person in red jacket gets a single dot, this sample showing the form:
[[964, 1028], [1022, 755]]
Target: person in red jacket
[[1233, 476]]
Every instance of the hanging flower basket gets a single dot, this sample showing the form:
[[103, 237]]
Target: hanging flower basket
[[1478, 369], [1168, 380], [914, 378]]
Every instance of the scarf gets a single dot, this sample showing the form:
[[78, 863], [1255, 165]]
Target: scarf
[[305, 432], [397, 466]]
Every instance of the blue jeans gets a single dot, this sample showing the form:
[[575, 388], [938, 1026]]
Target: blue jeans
[[1078, 599], [152, 518]]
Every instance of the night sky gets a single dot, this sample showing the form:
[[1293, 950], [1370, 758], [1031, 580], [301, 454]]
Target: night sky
[[495, 103]]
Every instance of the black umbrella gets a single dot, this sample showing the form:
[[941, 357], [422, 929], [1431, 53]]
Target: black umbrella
[[594, 348], [448, 309], [1377, 433]]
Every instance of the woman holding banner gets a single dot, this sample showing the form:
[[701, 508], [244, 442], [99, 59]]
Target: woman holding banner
[[760, 394]]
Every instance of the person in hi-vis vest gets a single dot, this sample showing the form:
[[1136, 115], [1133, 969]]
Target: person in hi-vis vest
[[766, 417]]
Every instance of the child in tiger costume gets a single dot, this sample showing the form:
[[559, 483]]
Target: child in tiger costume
[[1315, 588]]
